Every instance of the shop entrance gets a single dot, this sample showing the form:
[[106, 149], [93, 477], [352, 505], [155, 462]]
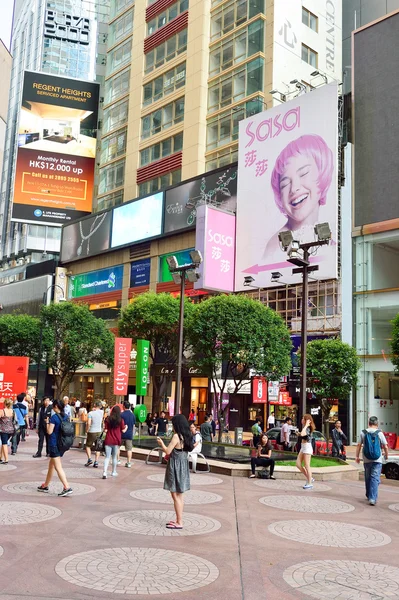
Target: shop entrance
[[199, 398]]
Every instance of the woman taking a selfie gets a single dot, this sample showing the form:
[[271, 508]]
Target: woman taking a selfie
[[177, 475], [305, 454]]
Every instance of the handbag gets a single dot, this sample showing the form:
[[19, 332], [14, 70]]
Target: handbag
[[15, 423], [99, 443]]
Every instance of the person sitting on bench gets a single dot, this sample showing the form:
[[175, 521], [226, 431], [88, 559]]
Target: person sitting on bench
[[263, 456]]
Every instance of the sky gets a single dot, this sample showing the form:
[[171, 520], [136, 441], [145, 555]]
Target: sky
[[6, 21]]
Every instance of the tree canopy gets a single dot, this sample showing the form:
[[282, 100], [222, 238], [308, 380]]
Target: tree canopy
[[72, 338], [19, 336]]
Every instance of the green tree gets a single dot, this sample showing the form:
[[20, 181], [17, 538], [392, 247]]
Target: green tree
[[155, 317], [72, 338], [19, 336], [332, 367], [231, 335]]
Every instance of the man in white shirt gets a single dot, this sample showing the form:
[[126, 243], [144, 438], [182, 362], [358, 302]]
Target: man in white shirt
[[67, 408], [197, 439], [271, 421], [94, 427], [285, 433]]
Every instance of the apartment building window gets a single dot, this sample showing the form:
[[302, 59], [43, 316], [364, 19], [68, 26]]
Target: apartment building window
[[111, 177], [309, 19], [159, 183], [162, 149], [166, 16], [118, 6], [166, 51], [115, 116], [222, 158], [322, 305], [237, 48], [236, 85], [163, 118], [223, 129], [113, 146], [165, 84], [116, 86], [121, 27], [309, 56], [119, 57], [233, 14], [110, 200]]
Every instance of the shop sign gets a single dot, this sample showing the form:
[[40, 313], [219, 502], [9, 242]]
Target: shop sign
[[123, 348], [190, 293], [142, 372], [171, 407], [140, 412], [273, 391], [101, 305], [230, 387], [13, 375], [96, 282], [259, 390], [284, 399], [140, 272], [171, 370]]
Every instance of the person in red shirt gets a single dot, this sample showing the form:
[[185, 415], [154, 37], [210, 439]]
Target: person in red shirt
[[114, 426]]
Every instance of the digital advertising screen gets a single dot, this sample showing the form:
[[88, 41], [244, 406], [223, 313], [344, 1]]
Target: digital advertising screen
[[57, 132], [86, 237], [137, 221]]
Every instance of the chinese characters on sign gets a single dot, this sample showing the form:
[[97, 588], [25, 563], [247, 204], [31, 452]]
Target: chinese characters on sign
[[259, 390], [13, 375]]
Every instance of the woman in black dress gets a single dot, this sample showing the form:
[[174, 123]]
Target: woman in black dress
[[263, 456], [177, 475]]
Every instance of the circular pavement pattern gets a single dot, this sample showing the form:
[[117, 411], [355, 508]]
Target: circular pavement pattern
[[83, 461], [29, 488], [81, 473], [25, 457], [160, 496], [394, 507], [1, 550], [7, 468], [22, 513], [329, 533], [338, 579], [153, 522], [307, 504], [290, 485], [146, 571], [195, 479]]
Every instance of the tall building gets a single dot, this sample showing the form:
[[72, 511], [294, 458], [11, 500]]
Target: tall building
[[47, 37], [5, 74]]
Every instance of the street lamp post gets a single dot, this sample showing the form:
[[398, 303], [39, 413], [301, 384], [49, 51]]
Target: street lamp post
[[179, 274]]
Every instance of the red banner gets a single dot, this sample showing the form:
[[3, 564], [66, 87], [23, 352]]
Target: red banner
[[123, 347], [13, 375], [259, 390]]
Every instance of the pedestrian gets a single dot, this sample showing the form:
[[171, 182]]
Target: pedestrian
[[177, 475], [94, 427], [373, 440], [306, 451], [339, 441], [56, 453], [21, 414], [191, 416], [154, 423], [127, 437], [82, 412], [41, 427], [263, 456], [271, 420], [6, 428], [114, 426], [67, 408], [197, 439], [285, 434], [161, 425], [213, 424], [256, 430], [206, 430], [148, 420]]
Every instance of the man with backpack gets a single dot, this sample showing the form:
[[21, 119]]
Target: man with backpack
[[374, 443]]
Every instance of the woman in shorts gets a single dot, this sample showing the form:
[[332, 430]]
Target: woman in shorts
[[6, 428], [305, 454]]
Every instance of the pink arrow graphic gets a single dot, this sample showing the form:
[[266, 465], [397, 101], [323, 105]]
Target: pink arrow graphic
[[255, 269]]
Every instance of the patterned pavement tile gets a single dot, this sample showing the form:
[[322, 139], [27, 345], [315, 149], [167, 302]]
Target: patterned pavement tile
[[394, 507], [25, 457], [153, 522], [161, 496], [146, 571], [29, 488], [289, 485], [7, 467], [83, 461], [195, 479], [344, 580], [1, 550], [329, 533], [22, 513], [81, 473], [307, 504]]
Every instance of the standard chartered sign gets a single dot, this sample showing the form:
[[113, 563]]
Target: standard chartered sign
[[143, 365], [96, 282]]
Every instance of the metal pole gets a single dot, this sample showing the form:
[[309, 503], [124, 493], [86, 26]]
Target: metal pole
[[39, 358], [180, 349], [304, 331]]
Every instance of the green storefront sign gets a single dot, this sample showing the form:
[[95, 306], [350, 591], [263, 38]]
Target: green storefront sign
[[140, 412], [96, 282], [143, 365]]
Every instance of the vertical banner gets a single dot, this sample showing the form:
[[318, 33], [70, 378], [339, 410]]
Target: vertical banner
[[215, 239], [142, 371], [123, 347], [54, 178], [259, 390], [13, 375], [171, 407]]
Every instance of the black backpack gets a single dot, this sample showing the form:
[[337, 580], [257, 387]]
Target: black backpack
[[66, 435]]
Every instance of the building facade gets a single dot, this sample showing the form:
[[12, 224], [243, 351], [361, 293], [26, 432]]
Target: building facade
[[5, 74]]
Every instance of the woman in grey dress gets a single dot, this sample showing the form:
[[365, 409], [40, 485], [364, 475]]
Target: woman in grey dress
[[177, 475]]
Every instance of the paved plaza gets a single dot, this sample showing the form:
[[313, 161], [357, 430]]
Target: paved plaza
[[242, 540]]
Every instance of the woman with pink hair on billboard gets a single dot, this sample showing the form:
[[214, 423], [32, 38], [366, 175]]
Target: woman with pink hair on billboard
[[300, 180]]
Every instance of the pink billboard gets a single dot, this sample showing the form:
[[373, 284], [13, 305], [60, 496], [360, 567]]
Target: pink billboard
[[215, 239]]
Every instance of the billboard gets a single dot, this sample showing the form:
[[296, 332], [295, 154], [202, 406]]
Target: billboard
[[57, 131], [86, 237], [218, 189], [96, 282], [137, 221], [215, 239], [183, 258], [287, 179], [13, 375], [140, 272]]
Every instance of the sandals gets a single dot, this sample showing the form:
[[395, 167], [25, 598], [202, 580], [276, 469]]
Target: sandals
[[173, 526]]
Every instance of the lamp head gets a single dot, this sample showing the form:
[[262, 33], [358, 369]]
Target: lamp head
[[172, 262], [323, 232], [276, 276], [248, 279], [285, 239]]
